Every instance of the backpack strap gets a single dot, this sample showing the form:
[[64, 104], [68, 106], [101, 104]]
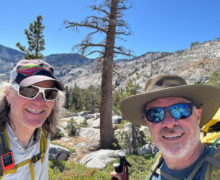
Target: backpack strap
[[158, 162], [212, 159], [156, 165], [213, 167], [43, 148], [43, 145]]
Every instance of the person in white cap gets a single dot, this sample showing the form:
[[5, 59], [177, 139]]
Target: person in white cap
[[30, 105], [174, 113]]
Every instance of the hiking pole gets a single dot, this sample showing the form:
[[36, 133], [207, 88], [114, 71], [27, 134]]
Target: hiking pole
[[122, 166], [117, 169]]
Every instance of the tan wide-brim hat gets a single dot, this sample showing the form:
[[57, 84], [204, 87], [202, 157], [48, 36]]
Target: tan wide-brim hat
[[161, 86]]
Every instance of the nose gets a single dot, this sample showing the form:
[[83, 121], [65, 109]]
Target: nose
[[169, 121], [39, 99]]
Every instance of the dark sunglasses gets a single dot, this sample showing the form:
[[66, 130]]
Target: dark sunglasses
[[31, 92], [177, 111]]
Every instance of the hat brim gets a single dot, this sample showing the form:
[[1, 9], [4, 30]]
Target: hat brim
[[133, 107], [39, 78]]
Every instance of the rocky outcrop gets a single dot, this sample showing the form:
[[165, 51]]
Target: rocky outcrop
[[58, 153], [100, 159]]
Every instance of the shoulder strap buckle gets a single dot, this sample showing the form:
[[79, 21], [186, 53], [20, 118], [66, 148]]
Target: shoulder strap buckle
[[36, 158]]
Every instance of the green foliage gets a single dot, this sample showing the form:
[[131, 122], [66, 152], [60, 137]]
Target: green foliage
[[198, 82], [214, 79], [62, 170], [125, 138], [92, 99], [78, 99], [141, 166], [58, 133], [35, 40], [72, 127], [83, 124], [129, 141], [55, 143], [67, 94]]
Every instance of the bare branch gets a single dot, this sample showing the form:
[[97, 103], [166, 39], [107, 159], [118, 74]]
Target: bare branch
[[75, 25], [120, 38], [100, 52], [105, 19], [99, 9]]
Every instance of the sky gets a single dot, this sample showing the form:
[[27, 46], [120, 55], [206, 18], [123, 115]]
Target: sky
[[156, 25]]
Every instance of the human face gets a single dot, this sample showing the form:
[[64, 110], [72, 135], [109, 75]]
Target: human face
[[175, 138], [29, 113]]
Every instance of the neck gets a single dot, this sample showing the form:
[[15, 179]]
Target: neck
[[22, 133], [189, 159]]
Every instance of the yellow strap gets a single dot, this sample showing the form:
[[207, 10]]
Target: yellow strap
[[167, 176], [43, 146], [14, 169], [31, 167], [6, 139]]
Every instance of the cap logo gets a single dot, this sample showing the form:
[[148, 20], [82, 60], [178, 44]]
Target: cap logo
[[29, 69]]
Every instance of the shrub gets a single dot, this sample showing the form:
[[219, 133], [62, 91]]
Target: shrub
[[72, 127], [58, 133], [60, 170], [83, 124]]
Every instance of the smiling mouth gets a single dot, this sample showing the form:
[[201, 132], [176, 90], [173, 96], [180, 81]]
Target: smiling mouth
[[170, 137], [34, 111]]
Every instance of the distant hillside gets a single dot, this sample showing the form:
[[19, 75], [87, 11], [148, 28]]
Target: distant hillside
[[196, 64], [9, 57], [9, 54], [66, 59]]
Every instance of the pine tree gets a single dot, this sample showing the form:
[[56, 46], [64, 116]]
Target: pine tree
[[76, 101], [35, 40], [67, 94]]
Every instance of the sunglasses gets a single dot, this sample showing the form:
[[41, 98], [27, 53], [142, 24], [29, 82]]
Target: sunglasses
[[177, 111], [31, 92]]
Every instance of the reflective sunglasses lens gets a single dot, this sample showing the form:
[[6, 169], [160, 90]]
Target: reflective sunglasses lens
[[50, 94], [181, 111], [29, 92], [155, 114]]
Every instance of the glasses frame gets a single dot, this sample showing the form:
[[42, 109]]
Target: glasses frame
[[41, 90], [167, 109]]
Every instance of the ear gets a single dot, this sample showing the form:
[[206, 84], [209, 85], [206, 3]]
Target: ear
[[198, 113], [146, 121], [8, 94]]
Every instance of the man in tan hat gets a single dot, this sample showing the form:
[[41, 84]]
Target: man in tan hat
[[174, 113]]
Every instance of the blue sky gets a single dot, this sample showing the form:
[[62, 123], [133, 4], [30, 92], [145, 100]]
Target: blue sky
[[157, 25]]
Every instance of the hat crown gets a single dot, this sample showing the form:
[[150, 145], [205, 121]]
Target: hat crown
[[29, 72], [160, 82]]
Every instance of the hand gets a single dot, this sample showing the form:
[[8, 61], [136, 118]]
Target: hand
[[117, 175]]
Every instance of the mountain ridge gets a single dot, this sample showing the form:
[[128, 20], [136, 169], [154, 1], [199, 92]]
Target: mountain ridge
[[195, 63]]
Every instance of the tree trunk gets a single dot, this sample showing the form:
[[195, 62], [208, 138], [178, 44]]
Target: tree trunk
[[134, 144], [106, 129]]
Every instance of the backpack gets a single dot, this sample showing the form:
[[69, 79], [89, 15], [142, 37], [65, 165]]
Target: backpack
[[40, 156], [211, 171]]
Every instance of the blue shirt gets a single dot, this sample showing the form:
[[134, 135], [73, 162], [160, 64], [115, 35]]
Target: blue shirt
[[182, 174]]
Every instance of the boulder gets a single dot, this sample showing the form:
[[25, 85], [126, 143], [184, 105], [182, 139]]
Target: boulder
[[89, 116], [146, 149], [100, 159], [58, 152], [90, 134], [95, 124], [116, 119]]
